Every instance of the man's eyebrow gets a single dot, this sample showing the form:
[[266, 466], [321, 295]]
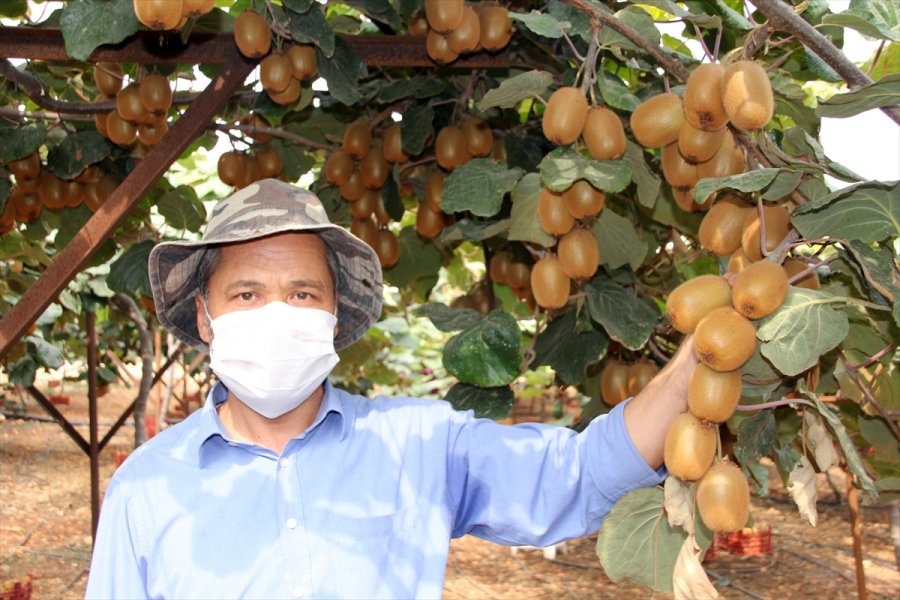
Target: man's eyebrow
[[244, 283], [308, 283]]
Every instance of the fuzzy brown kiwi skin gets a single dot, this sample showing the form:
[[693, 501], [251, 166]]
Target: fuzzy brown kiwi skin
[[724, 339], [689, 447], [694, 299], [778, 225], [759, 289], [723, 498], [703, 98], [713, 395], [721, 228], [657, 121], [565, 115], [747, 95]]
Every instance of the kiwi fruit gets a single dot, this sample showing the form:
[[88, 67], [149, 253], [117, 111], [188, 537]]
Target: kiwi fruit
[[499, 266], [119, 131], [357, 140], [393, 145], [444, 16], [722, 227], [565, 115], [614, 382], [738, 261], [255, 123], [694, 299], [303, 60], [418, 24], [434, 188], [353, 189], [26, 168], [640, 374], [724, 339], [579, 254], [697, 145], [129, 104], [290, 94], [777, 221], [549, 283], [657, 121], [158, 14], [450, 148], [98, 192], [747, 95], [467, 35], [583, 200], [703, 106], [276, 72], [195, 8], [438, 48], [51, 191], [713, 395], [553, 215], [684, 198], [338, 168], [689, 447], [387, 247], [793, 267], [479, 137], [603, 133], [374, 168], [152, 133], [252, 34], [496, 26], [728, 160], [759, 289], [155, 93], [108, 78], [677, 171], [269, 162], [429, 223], [518, 275], [723, 498], [366, 230]]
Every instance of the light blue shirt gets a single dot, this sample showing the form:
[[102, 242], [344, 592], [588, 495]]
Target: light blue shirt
[[361, 505]]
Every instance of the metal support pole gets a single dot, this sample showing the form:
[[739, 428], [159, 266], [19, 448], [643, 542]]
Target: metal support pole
[[94, 453]]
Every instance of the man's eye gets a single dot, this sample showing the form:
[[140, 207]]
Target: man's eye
[[246, 296], [302, 295]]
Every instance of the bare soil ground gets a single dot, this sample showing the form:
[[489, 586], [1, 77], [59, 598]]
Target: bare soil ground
[[45, 521]]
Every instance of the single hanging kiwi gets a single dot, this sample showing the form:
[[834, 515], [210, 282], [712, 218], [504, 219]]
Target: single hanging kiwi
[[374, 168], [553, 215], [438, 48], [722, 227], [276, 72], [353, 189], [724, 339], [496, 26], [697, 145], [450, 147], [703, 106], [366, 230], [290, 94], [723, 498], [479, 137], [158, 14], [434, 189], [155, 93], [694, 299], [759, 289], [614, 382], [387, 247], [357, 140], [549, 283], [640, 374], [429, 223], [747, 95], [583, 200], [565, 115], [393, 145], [465, 37], [303, 60], [269, 162], [677, 171], [579, 254], [657, 121], [713, 395], [252, 34], [603, 133], [738, 261], [338, 168], [689, 447], [499, 267], [728, 160], [444, 16], [108, 77], [777, 221]]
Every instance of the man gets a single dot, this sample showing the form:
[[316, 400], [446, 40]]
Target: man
[[283, 486]]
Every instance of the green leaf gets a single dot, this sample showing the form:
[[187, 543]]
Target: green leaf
[[182, 209], [418, 87], [417, 126], [786, 457], [819, 68], [755, 437], [543, 24], [128, 273], [20, 142], [478, 186], [22, 371], [523, 221], [616, 94], [86, 24], [486, 402], [637, 543], [851, 454], [647, 181], [377, 10], [515, 89], [732, 18], [567, 351], [449, 319], [801, 330], [486, 354], [562, 167], [13, 8], [752, 181], [580, 22], [476, 231], [618, 241], [868, 22], [76, 152], [342, 71], [626, 318], [638, 19], [393, 204], [878, 268], [296, 162], [310, 27], [785, 182], [418, 265], [868, 211], [47, 354]]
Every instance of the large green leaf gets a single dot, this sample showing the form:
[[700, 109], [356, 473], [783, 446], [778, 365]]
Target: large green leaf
[[568, 351], [486, 354], [418, 87], [22, 371], [475, 231], [515, 89], [418, 264], [47, 354], [128, 273], [618, 241], [182, 209], [616, 94], [868, 211], [884, 92], [524, 224], [801, 330], [732, 18], [647, 181], [579, 22], [449, 319], [543, 24], [22, 141], [874, 19], [13, 8], [638, 19], [417, 126], [86, 24], [562, 167], [752, 181], [486, 402], [342, 71], [478, 187], [755, 437], [76, 152], [626, 318], [310, 27]]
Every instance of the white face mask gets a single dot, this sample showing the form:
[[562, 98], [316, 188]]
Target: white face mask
[[273, 358]]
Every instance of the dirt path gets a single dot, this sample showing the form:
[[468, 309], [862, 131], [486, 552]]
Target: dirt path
[[45, 530]]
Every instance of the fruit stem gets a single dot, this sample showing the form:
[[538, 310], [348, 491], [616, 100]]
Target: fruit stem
[[810, 269], [706, 51], [773, 404], [574, 50]]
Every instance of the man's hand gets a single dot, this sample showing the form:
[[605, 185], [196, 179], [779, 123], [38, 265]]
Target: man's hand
[[648, 416]]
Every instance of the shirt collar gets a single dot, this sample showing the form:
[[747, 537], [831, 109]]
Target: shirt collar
[[211, 426]]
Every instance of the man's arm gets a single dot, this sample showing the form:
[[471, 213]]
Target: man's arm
[[648, 416]]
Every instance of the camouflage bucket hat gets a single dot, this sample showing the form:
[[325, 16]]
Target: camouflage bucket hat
[[261, 209]]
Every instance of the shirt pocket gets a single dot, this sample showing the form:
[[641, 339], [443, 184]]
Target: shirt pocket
[[379, 526]]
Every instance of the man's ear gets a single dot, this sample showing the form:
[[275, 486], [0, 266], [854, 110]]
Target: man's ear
[[202, 321]]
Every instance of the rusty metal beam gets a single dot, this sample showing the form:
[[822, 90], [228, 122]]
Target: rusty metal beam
[[93, 438], [59, 418], [141, 179], [44, 43]]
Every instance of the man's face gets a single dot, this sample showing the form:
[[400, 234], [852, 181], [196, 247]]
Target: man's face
[[288, 267]]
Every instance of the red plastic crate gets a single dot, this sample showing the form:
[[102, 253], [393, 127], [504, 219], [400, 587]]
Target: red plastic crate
[[746, 542], [21, 589]]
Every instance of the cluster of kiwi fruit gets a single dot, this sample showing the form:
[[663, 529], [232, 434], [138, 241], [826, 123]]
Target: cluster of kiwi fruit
[[620, 380], [170, 14], [454, 27], [693, 131], [507, 268], [36, 187], [568, 116], [240, 169], [141, 106]]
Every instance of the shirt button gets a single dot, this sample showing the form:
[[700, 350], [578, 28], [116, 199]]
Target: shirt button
[[291, 523], [299, 591], [284, 463]]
